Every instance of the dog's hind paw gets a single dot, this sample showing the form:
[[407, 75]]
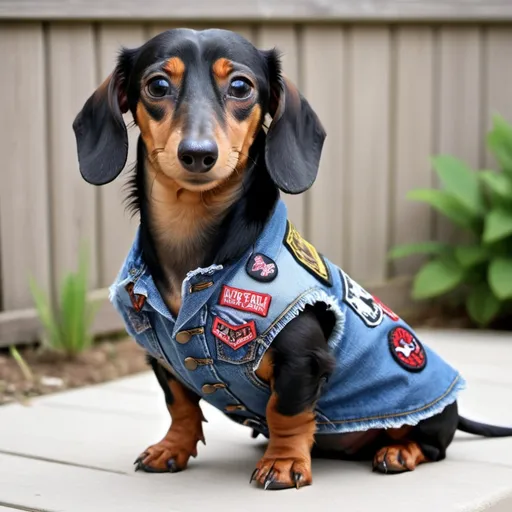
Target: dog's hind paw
[[275, 474], [394, 459]]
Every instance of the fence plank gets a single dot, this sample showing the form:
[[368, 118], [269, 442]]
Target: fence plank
[[24, 220], [368, 169], [303, 10], [459, 106], [413, 100], [325, 88], [284, 38], [71, 81], [116, 225], [498, 75]]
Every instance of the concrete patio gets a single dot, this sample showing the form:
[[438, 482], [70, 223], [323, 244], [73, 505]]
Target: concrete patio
[[74, 451]]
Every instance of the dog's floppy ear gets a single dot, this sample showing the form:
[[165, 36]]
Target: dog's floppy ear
[[295, 136], [100, 131]]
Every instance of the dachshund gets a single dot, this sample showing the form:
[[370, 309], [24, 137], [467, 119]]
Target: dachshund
[[230, 302]]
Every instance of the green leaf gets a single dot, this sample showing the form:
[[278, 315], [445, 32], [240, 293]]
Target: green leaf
[[460, 181], [437, 277], [498, 225], [446, 204], [482, 305], [498, 183], [45, 313], [402, 251], [470, 255], [499, 141], [500, 277]]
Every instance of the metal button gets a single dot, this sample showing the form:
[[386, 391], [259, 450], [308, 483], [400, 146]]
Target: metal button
[[191, 364], [199, 287], [183, 337], [232, 408], [208, 389]]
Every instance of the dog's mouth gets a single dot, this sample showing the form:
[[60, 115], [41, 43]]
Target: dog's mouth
[[198, 183]]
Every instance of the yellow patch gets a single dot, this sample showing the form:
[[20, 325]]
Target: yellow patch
[[306, 254]]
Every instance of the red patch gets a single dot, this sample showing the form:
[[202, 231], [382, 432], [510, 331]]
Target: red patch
[[407, 350], [245, 300], [234, 336], [386, 310]]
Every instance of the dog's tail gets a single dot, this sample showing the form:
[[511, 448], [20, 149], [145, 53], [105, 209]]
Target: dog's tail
[[482, 429]]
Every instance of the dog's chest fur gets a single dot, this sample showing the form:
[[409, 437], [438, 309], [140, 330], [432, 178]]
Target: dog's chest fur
[[183, 225]]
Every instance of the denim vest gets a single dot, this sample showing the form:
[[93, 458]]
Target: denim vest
[[385, 377]]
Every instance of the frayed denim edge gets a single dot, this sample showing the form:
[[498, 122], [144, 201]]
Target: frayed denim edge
[[412, 418], [307, 299]]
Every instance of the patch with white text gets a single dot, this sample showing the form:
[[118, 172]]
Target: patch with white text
[[306, 254], [262, 268], [386, 310], [407, 351], [245, 300], [235, 336], [361, 301]]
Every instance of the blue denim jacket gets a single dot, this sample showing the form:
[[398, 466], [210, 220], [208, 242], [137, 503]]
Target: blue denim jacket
[[384, 376]]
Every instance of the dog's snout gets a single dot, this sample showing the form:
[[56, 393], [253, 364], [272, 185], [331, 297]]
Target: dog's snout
[[198, 155]]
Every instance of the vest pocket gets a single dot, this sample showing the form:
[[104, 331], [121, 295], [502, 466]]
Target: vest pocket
[[241, 355]]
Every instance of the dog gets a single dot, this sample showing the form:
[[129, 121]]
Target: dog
[[230, 302]]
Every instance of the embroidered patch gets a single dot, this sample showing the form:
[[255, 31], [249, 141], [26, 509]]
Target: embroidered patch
[[137, 300], [407, 351], [261, 268], [306, 254], [234, 336], [361, 301], [386, 310], [245, 300]]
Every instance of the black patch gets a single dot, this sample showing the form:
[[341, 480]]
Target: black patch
[[261, 268], [406, 349], [361, 302], [306, 255]]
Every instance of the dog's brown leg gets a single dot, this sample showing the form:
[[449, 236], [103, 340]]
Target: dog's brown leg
[[287, 460], [172, 453]]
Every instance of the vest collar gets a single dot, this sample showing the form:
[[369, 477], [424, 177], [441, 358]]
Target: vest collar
[[196, 289]]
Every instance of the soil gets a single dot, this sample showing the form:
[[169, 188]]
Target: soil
[[51, 372], [111, 359]]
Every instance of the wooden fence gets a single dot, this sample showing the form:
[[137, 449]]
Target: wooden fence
[[393, 82]]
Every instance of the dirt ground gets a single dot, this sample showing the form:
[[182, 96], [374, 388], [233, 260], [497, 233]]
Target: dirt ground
[[107, 360], [112, 359]]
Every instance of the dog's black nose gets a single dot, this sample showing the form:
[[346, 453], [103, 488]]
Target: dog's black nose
[[198, 155]]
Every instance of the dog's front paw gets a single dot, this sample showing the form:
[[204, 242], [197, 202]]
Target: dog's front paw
[[170, 455], [282, 473]]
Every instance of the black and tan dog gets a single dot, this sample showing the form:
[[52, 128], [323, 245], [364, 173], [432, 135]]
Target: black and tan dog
[[206, 186]]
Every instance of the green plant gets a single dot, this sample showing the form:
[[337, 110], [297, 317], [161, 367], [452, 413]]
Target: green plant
[[478, 273], [24, 367], [66, 325]]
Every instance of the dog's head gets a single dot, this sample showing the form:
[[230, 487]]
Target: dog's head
[[199, 99]]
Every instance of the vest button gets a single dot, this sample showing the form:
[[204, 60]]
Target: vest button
[[232, 408], [208, 389], [183, 337], [191, 364]]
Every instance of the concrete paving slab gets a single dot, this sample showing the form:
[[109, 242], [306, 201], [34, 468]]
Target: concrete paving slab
[[224, 488]]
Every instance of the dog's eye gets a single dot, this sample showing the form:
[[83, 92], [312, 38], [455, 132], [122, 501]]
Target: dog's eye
[[158, 87], [239, 88]]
